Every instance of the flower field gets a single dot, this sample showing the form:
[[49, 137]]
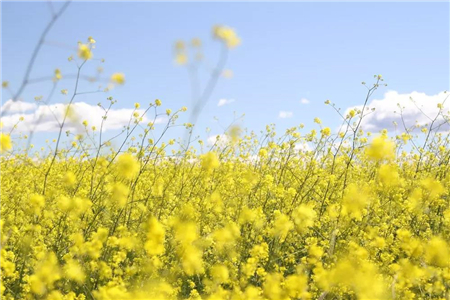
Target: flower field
[[357, 216]]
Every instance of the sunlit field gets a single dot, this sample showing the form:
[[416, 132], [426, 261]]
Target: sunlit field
[[303, 213]]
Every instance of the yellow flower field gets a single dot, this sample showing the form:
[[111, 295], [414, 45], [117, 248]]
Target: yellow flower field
[[356, 217]]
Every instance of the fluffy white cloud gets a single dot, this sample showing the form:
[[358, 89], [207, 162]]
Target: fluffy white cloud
[[17, 106], [47, 118], [304, 101], [223, 102], [303, 147], [417, 108], [285, 114], [218, 139]]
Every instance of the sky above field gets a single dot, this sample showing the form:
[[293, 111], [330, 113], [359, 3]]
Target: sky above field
[[293, 57]]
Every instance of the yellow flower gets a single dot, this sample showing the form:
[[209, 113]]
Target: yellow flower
[[381, 148], [74, 271], [296, 286], [219, 273], [437, 252], [352, 113], [272, 286], [181, 58], [354, 201], [84, 52], [388, 175], [433, 186], [119, 194], [281, 226], [58, 75], [226, 237], [45, 274], [210, 161], [180, 46], [326, 131], [37, 202], [226, 35], [303, 217], [118, 78], [263, 152], [127, 165], [155, 238], [69, 179], [192, 261], [5, 142]]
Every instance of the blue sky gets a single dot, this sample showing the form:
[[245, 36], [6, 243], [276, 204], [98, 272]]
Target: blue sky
[[289, 51]]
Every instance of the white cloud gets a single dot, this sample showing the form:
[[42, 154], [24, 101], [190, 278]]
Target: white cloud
[[285, 114], [218, 139], [303, 147], [47, 118], [417, 109], [223, 102], [304, 101], [19, 106]]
